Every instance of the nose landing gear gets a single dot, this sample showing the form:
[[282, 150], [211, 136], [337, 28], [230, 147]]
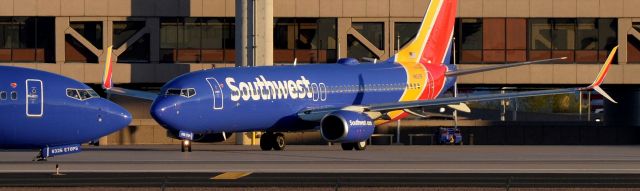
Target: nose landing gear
[[186, 145]]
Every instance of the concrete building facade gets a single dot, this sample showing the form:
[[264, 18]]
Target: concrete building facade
[[156, 40]]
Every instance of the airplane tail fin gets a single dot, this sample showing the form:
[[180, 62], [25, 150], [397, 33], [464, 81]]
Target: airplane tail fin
[[433, 41], [108, 68], [601, 75]]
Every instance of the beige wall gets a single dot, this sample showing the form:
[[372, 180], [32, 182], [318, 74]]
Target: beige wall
[[321, 8], [387, 11]]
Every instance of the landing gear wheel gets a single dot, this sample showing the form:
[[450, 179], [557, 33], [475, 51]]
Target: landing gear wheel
[[347, 146], [360, 146], [40, 157], [186, 145], [278, 142], [265, 141]]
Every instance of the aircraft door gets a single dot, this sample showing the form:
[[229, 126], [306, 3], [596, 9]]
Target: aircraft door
[[218, 97], [34, 98]]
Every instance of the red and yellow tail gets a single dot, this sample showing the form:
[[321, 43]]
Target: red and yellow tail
[[424, 56], [432, 42], [108, 68]]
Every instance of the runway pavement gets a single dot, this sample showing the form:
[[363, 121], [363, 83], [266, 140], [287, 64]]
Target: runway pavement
[[149, 167], [331, 159]]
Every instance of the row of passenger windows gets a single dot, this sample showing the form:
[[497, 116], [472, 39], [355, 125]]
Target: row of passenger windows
[[372, 88], [81, 94], [3, 95], [185, 92]]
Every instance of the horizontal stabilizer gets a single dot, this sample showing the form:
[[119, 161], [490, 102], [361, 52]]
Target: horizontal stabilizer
[[460, 107], [498, 66]]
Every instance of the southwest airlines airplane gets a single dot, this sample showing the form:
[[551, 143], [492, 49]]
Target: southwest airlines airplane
[[42, 110], [344, 101]]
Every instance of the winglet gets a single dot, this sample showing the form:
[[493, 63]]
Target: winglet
[[603, 73], [108, 68]]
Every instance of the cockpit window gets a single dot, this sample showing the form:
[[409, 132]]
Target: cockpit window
[[82, 94], [185, 92]]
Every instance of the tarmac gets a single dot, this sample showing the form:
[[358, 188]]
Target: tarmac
[[321, 166]]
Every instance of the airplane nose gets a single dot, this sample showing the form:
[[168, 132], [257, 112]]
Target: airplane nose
[[120, 116], [164, 112]]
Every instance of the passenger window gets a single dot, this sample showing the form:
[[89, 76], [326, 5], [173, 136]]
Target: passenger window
[[3, 95], [14, 95]]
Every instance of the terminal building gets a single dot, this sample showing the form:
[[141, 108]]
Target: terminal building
[[156, 40]]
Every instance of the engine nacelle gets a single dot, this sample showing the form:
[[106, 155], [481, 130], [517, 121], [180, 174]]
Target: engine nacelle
[[203, 138], [346, 127]]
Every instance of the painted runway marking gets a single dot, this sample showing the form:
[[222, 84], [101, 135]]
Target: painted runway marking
[[231, 175]]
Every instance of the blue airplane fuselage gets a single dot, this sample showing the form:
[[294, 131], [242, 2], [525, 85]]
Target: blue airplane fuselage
[[269, 98], [40, 109]]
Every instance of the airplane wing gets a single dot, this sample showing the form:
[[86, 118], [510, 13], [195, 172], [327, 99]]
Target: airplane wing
[[107, 85], [318, 114], [133, 93]]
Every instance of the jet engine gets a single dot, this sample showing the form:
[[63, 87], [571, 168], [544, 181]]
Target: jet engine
[[346, 127], [203, 137]]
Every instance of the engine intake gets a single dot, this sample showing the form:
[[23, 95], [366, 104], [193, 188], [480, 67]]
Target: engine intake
[[346, 127]]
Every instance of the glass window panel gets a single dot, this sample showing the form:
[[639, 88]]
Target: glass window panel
[[190, 34], [633, 49], [75, 52], [493, 34], [92, 31], [405, 32], [138, 52], [213, 33], [327, 33], [284, 33], [372, 31], [471, 56], [307, 32], [124, 30], [357, 50], [516, 55], [230, 36], [563, 34], [493, 56], [471, 34], [46, 45], [587, 34], [517, 34], [540, 34], [168, 39], [608, 33]]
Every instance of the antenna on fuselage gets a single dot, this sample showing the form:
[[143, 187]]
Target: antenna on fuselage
[[295, 61]]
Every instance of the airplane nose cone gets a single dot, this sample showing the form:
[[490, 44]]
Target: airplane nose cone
[[120, 116], [164, 112]]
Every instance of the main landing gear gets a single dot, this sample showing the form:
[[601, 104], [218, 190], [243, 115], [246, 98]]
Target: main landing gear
[[358, 146], [186, 145], [40, 157], [273, 141]]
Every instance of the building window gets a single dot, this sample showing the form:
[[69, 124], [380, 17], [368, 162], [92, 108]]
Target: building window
[[76, 51], [138, 51], [404, 33], [309, 40], [372, 31], [500, 40], [197, 40], [27, 39], [633, 49], [358, 50], [470, 40]]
